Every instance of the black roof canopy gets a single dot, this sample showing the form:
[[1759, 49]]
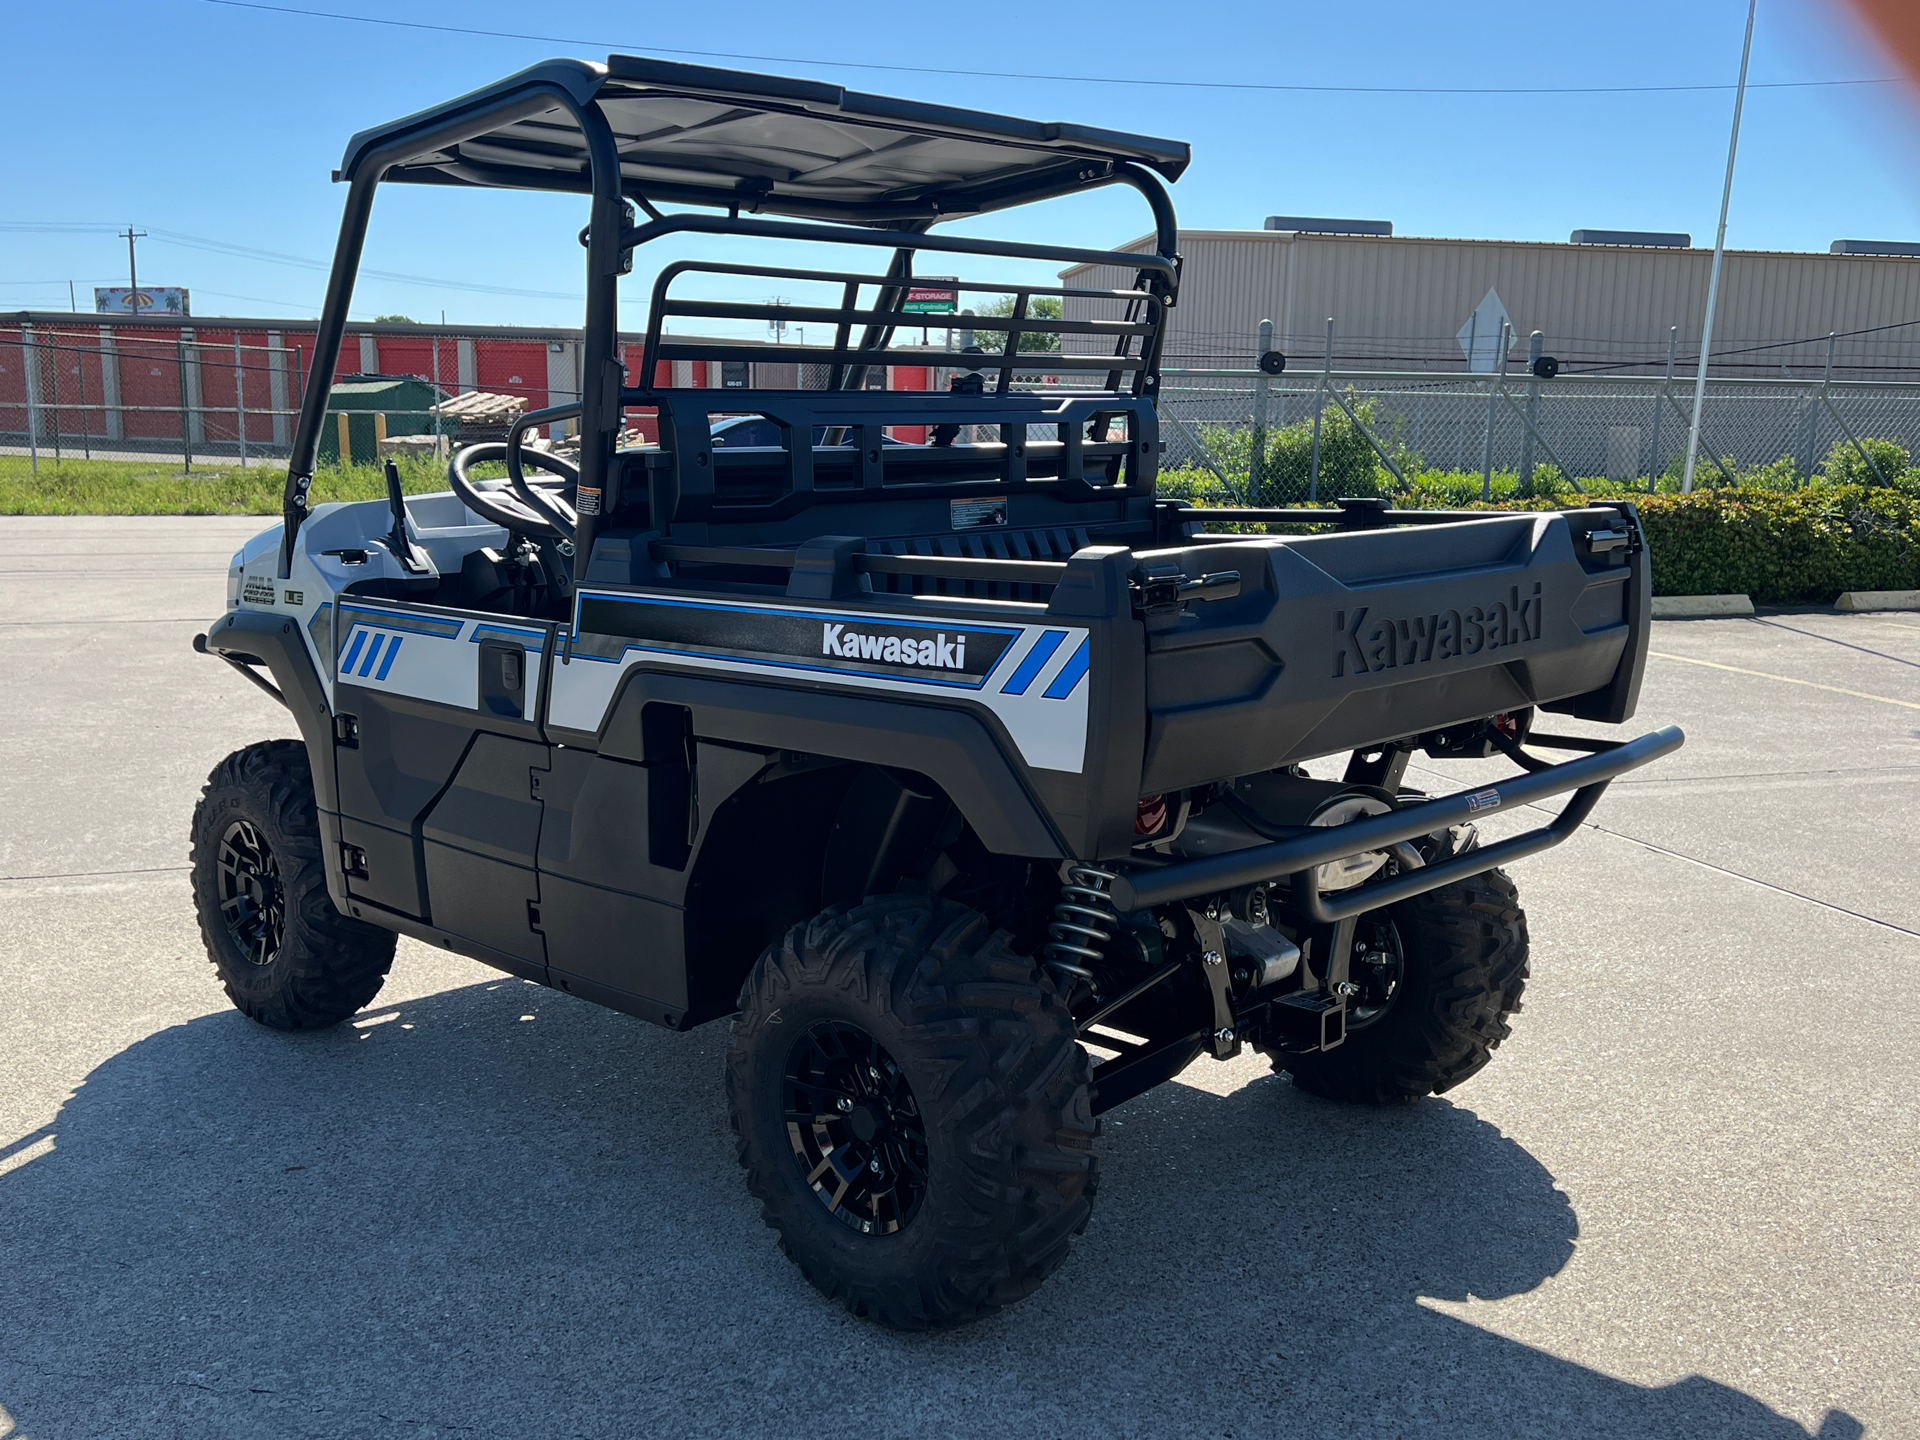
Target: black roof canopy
[[689, 134]]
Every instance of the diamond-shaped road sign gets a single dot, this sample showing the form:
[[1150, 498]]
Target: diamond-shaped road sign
[[1480, 336]]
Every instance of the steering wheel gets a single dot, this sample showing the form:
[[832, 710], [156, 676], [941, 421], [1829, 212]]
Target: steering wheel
[[536, 507]]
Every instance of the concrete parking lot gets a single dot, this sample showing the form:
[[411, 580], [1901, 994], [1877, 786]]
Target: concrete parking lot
[[1681, 1202]]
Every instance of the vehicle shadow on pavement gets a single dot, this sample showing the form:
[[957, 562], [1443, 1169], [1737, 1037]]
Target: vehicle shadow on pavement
[[496, 1210]]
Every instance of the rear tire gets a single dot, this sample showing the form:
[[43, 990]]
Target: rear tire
[[952, 1181], [286, 957], [1463, 953]]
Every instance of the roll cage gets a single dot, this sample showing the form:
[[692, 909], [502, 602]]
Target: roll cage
[[836, 166]]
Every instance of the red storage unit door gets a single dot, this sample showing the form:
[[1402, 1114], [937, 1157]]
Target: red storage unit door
[[349, 361], [221, 391], [67, 364], [13, 382], [513, 367], [149, 382], [414, 355], [212, 359]]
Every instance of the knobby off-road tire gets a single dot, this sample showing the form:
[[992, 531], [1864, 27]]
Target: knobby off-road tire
[[1464, 953], [990, 1089], [286, 956]]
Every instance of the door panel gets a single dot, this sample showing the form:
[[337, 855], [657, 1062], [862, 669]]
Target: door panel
[[479, 842], [437, 732]]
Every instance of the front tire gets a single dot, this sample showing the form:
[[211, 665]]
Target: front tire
[[1431, 1012], [286, 957], [910, 1104]]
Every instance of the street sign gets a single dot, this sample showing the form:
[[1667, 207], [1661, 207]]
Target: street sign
[[933, 295], [1480, 336]]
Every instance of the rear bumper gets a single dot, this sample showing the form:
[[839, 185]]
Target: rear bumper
[[1297, 859]]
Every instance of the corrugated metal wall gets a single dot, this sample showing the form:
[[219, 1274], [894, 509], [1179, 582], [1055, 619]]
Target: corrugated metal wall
[[1399, 302]]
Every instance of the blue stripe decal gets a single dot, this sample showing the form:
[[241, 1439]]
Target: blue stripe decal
[[1072, 673], [393, 649], [1035, 662], [905, 621], [373, 654], [353, 652], [529, 639], [635, 645], [412, 624]]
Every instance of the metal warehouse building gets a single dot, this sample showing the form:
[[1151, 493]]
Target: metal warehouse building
[[1400, 302]]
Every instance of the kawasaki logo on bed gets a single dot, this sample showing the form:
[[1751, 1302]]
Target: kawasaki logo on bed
[[1368, 642], [942, 651], [937, 652]]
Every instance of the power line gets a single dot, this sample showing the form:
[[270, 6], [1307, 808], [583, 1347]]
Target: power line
[[617, 45], [275, 257]]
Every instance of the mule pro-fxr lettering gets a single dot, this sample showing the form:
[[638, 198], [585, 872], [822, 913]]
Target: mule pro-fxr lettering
[[1370, 642]]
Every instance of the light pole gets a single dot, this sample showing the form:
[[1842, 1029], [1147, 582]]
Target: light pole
[[1719, 255]]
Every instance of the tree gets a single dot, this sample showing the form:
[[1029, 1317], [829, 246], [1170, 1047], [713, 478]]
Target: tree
[[1040, 307], [394, 320]]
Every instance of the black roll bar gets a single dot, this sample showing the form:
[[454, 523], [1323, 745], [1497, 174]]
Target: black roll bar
[[684, 221], [600, 398], [1301, 856], [602, 377], [600, 374]]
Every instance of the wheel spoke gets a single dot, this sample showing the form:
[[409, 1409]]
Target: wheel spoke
[[833, 1065], [251, 901], [810, 1117]]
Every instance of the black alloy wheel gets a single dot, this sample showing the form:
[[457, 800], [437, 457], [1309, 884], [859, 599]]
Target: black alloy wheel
[[285, 954], [252, 900], [910, 1103], [857, 1133], [1379, 965]]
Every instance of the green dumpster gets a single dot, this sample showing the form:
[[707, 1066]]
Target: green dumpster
[[406, 402]]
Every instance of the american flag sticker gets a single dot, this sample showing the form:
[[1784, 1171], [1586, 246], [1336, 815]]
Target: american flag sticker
[[1483, 800]]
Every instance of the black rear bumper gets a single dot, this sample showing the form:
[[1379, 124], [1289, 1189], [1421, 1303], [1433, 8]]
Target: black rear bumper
[[1297, 859]]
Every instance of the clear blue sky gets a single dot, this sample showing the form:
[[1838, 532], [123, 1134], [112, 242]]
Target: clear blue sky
[[224, 123]]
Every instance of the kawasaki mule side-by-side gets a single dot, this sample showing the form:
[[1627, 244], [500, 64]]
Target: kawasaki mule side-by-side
[[964, 775]]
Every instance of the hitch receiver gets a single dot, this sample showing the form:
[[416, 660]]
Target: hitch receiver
[[1309, 1022]]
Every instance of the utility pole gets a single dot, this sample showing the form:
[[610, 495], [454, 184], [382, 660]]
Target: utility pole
[[133, 275], [1719, 255]]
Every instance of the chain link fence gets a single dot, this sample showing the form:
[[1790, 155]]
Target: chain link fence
[[1617, 428], [211, 395], [224, 393], [74, 394], [231, 396]]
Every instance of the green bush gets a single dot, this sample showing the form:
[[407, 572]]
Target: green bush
[[1799, 547], [1846, 466], [1349, 465], [1782, 547]]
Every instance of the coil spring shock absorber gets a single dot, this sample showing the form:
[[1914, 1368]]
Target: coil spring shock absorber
[[1083, 922]]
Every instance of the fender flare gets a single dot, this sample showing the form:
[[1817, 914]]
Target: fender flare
[[275, 641], [951, 747]]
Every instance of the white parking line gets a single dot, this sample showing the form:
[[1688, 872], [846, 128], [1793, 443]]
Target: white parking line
[[1785, 679]]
